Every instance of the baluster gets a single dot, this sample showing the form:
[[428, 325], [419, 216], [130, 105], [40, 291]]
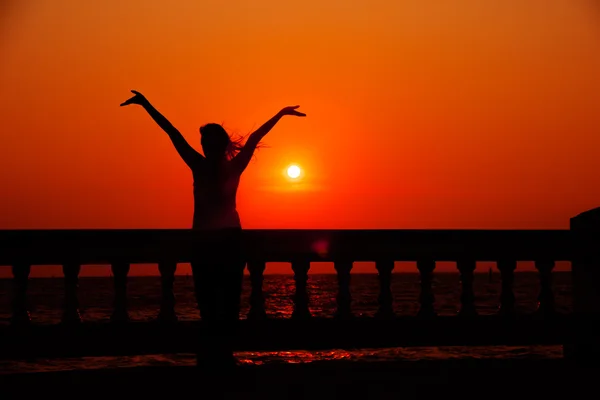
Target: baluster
[[426, 298], [507, 296], [344, 297], [120, 271], [167, 304], [71, 313], [257, 300], [546, 304], [386, 308], [300, 269], [467, 297], [20, 312]]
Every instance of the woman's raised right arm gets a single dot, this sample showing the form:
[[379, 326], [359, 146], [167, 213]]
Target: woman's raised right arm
[[242, 159]]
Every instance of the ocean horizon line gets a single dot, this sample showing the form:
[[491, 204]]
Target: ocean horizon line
[[58, 276]]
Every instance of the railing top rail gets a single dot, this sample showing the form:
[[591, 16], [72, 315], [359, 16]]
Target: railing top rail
[[91, 246]]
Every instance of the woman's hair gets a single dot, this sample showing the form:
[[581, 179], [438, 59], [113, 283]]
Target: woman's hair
[[216, 140], [235, 145]]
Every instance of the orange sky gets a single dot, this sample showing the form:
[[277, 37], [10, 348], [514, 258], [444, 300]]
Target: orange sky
[[421, 114]]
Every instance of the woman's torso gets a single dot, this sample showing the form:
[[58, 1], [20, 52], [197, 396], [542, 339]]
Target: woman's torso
[[215, 190]]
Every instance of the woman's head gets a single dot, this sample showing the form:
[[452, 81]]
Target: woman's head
[[216, 142]]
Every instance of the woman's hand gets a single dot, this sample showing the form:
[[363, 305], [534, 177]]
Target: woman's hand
[[291, 110], [138, 98]]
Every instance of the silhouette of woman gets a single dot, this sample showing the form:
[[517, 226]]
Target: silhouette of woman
[[219, 262]]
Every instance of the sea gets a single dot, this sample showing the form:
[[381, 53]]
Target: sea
[[144, 293]]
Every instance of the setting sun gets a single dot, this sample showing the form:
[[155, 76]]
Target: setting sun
[[293, 171]]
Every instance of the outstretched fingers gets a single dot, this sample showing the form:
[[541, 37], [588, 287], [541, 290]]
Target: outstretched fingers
[[136, 99], [291, 110], [127, 102], [296, 113]]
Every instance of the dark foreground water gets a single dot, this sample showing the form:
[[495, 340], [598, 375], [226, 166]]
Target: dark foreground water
[[46, 296]]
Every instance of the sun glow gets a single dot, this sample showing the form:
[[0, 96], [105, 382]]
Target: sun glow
[[293, 171]]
